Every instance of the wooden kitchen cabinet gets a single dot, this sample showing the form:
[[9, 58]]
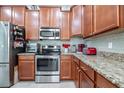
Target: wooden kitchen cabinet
[[87, 20], [77, 75], [18, 15], [55, 17], [76, 21], [87, 76], [106, 17], [44, 17], [6, 13], [101, 82], [85, 82], [32, 25], [102, 18], [26, 67], [65, 26], [65, 69], [49, 17], [75, 71], [88, 70]]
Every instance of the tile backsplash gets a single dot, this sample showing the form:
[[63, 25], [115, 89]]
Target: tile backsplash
[[73, 41], [112, 41], [109, 42]]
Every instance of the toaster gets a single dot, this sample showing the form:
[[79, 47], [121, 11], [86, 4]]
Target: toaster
[[89, 51]]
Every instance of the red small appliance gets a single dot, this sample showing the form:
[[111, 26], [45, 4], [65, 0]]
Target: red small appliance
[[90, 51], [80, 47], [66, 48]]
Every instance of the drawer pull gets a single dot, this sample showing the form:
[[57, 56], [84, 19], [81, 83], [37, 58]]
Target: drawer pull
[[83, 68]]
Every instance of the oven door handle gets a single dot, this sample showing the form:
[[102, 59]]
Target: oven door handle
[[56, 57]]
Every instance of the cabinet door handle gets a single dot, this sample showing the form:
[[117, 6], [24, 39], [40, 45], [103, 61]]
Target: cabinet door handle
[[83, 68], [79, 70]]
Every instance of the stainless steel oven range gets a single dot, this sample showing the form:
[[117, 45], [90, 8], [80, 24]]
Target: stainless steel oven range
[[47, 64]]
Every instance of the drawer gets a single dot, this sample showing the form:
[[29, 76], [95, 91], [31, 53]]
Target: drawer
[[76, 60], [101, 82], [65, 57], [26, 57], [88, 70]]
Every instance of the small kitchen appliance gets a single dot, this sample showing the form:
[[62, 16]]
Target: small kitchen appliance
[[80, 47], [66, 48], [90, 51], [49, 33], [32, 47]]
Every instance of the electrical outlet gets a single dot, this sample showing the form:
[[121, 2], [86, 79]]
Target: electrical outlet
[[110, 45]]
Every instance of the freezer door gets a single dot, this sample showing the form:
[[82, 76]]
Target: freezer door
[[4, 42], [4, 75]]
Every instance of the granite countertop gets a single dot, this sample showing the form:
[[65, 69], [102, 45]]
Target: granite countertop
[[110, 69], [26, 54]]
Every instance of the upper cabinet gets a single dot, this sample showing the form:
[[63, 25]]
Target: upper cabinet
[[76, 20], [32, 25], [105, 17], [49, 17], [87, 21], [55, 17], [65, 26], [13, 14], [44, 17], [18, 15], [101, 18], [6, 13]]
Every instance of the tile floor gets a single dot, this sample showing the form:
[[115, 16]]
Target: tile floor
[[31, 84]]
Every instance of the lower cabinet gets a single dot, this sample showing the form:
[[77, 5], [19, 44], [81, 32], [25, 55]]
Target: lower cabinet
[[65, 69], [26, 67], [73, 70], [101, 82], [82, 74], [77, 74], [85, 82]]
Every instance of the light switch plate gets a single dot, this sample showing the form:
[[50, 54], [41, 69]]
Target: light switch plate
[[110, 45]]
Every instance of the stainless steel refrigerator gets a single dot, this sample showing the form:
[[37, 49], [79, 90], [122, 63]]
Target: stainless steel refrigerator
[[6, 54]]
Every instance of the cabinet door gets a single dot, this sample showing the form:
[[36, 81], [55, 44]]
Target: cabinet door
[[44, 17], [32, 25], [76, 21], [55, 17], [87, 21], [77, 71], [65, 70], [6, 13], [101, 82], [65, 26], [73, 70], [85, 82], [26, 70], [105, 17], [18, 15]]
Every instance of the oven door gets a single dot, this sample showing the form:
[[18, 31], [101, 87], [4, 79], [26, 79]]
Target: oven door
[[46, 65]]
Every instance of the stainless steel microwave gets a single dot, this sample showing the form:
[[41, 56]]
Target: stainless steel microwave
[[49, 33]]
